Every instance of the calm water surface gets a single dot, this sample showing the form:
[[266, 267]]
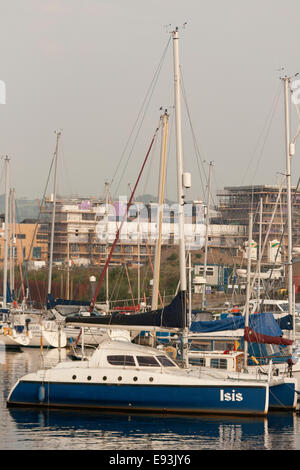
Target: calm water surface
[[34, 429]]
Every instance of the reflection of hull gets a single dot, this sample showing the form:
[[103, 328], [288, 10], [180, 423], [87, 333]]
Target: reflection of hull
[[108, 430]]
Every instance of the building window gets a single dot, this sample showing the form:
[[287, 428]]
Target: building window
[[21, 236], [74, 248], [14, 251], [42, 236], [37, 252], [88, 216]]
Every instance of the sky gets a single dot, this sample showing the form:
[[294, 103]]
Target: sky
[[87, 68]]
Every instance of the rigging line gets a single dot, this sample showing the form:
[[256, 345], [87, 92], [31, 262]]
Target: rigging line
[[115, 292], [150, 166], [193, 133], [277, 252], [154, 79], [121, 225], [266, 137], [134, 142], [269, 116], [38, 219], [268, 231]]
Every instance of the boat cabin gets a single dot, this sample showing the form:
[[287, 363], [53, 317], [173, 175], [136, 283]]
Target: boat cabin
[[234, 342], [113, 353]]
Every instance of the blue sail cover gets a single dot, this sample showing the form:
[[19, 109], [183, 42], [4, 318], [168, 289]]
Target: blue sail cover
[[262, 323]]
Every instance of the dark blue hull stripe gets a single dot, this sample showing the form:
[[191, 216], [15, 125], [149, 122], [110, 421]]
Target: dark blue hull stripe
[[162, 398]]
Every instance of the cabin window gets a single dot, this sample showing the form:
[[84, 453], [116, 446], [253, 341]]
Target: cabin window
[[121, 360], [148, 361], [223, 346], [218, 363], [165, 361], [201, 345], [197, 361]]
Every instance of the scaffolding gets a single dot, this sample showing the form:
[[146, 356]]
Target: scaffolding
[[235, 204]]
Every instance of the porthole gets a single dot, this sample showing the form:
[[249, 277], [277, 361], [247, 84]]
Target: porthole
[[150, 379], [119, 378], [89, 377], [104, 378], [74, 377], [135, 379]]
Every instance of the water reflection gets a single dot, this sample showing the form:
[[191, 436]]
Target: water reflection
[[77, 429]]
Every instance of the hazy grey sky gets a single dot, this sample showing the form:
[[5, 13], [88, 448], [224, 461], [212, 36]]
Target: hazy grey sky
[[85, 66]]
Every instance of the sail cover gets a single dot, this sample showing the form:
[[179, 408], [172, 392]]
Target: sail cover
[[262, 328], [52, 303], [171, 316]]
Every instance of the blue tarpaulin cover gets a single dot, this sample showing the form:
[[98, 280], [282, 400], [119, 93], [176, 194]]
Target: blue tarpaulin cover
[[263, 323]]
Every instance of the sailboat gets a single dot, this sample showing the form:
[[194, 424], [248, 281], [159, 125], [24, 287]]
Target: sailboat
[[124, 376], [262, 330]]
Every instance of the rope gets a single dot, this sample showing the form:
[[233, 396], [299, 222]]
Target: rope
[[121, 225]]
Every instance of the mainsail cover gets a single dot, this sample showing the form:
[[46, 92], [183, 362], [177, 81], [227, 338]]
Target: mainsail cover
[[171, 316], [262, 328], [52, 303]]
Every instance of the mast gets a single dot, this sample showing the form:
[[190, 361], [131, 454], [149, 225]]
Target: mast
[[183, 281], [6, 231], [68, 268], [286, 82], [206, 235], [259, 248], [248, 289], [161, 197], [106, 246], [139, 259], [58, 134]]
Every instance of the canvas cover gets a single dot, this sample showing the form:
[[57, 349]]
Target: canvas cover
[[171, 316]]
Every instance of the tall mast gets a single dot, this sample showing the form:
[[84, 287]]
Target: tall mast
[[206, 234], [183, 283], [6, 231], [286, 82], [182, 262], [259, 247], [161, 197], [248, 289], [58, 134], [106, 247]]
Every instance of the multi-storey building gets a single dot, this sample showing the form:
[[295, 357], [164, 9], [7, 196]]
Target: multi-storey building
[[235, 204], [25, 243], [85, 230]]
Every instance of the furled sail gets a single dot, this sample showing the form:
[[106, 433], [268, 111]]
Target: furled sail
[[171, 316]]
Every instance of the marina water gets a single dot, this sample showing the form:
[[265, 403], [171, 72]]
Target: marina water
[[36, 429]]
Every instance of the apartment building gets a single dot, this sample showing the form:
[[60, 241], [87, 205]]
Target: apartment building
[[86, 228], [25, 243]]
